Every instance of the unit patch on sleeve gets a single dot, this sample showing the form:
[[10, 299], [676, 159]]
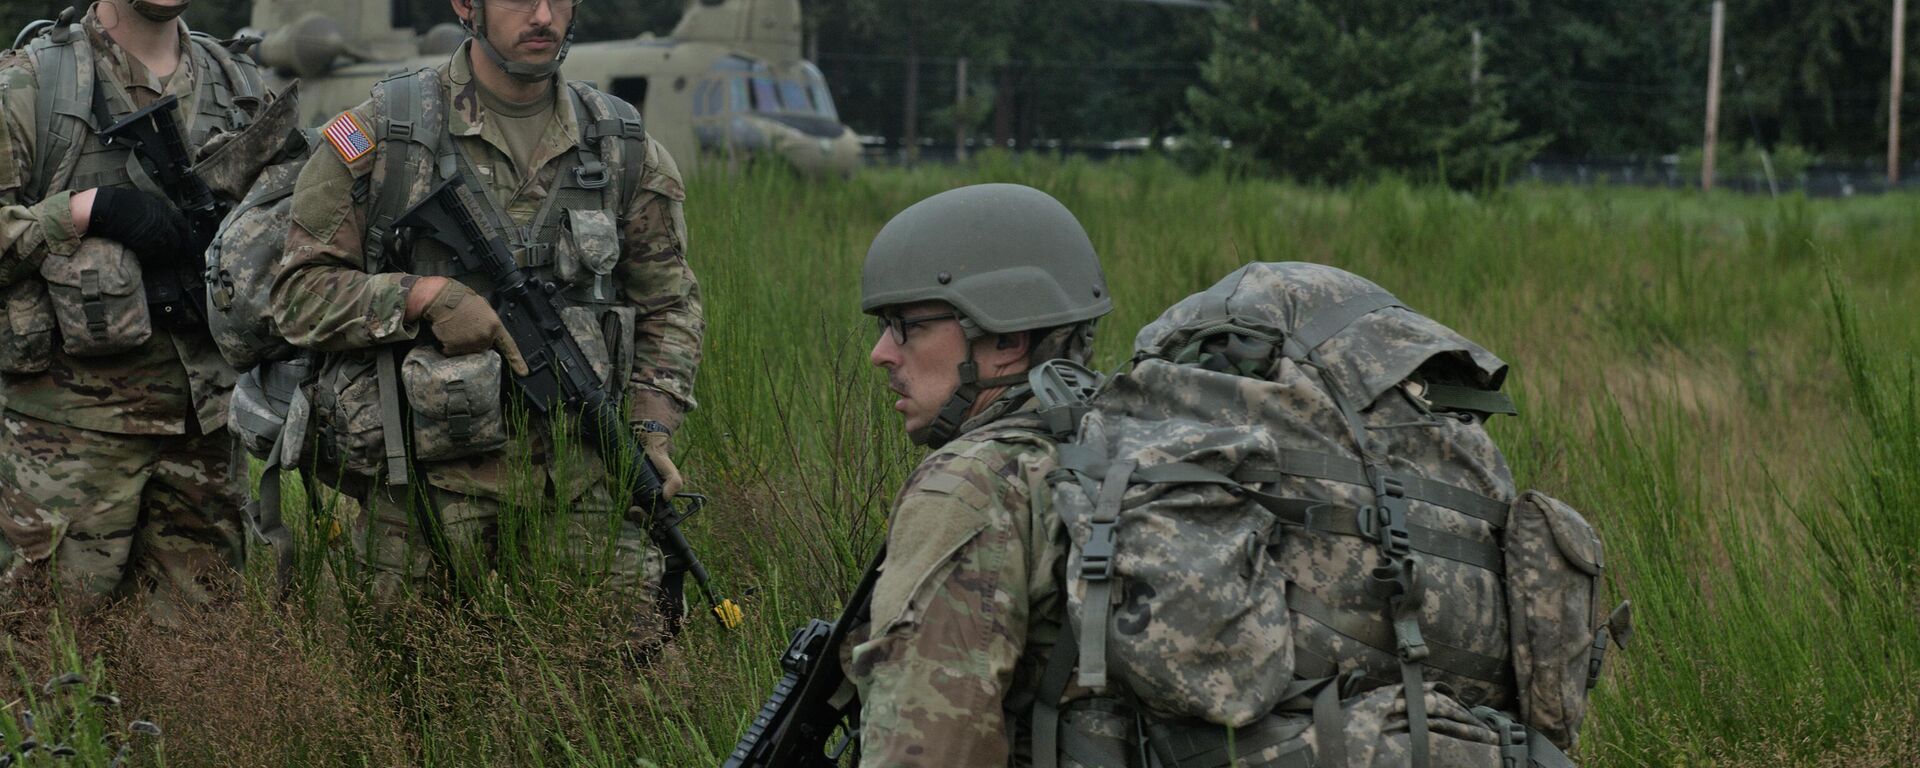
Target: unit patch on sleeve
[[348, 138]]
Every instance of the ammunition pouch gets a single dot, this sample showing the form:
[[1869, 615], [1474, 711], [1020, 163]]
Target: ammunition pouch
[[98, 301], [455, 403]]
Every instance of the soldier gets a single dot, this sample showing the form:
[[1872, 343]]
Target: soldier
[[594, 206], [972, 287], [116, 467]]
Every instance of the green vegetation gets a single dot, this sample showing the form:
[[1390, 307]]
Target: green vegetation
[[1727, 386]]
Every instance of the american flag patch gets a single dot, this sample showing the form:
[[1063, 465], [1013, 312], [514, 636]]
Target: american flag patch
[[348, 138]]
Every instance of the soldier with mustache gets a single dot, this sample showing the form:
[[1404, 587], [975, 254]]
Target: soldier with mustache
[[592, 206]]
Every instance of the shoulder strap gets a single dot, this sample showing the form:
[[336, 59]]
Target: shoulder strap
[[242, 78], [408, 133], [65, 80], [616, 135]]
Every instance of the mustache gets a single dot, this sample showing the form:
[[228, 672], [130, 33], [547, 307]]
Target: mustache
[[896, 384], [539, 33]]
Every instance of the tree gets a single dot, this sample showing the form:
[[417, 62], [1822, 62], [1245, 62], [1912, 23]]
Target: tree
[[1332, 90]]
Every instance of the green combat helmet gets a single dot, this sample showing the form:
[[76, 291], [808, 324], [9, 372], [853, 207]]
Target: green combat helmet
[[1009, 258]]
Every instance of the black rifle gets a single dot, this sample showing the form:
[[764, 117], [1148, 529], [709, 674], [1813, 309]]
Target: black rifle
[[177, 290], [795, 728], [560, 379]]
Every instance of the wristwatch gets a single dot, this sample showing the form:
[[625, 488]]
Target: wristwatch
[[649, 425]]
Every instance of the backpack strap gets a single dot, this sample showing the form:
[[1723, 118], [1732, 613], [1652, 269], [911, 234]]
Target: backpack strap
[[410, 131], [1396, 582], [63, 106]]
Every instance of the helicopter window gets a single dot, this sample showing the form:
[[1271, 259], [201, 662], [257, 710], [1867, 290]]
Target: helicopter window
[[794, 97], [632, 90], [732, 64], [765, 98], [706, 99], [738, 90], [817, 86]]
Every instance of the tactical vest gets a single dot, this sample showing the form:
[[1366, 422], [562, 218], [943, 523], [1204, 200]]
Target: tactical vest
[[572, 242], [75, 104]]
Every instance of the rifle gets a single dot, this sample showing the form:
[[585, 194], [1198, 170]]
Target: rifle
[[561, 380], [177, 291], [798, 721]]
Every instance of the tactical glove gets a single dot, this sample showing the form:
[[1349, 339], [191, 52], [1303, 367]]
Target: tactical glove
[[464, 323], [658, 444], [146, 224]]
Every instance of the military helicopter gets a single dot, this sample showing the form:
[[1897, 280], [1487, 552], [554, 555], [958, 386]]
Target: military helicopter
[[727, 84]]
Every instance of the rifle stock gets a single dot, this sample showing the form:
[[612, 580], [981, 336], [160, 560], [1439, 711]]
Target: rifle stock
[[796, 725], [560, 379]]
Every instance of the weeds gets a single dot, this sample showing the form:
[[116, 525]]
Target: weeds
[[1739, 416]]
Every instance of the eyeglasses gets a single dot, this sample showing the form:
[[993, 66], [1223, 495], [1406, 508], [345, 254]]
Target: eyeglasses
[[527, 6], [898, 325]]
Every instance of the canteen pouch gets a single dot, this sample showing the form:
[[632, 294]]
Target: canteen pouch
[[1553, 561], [455, 403], [26, 335], [346, 415], [588, 249], [99, 304]]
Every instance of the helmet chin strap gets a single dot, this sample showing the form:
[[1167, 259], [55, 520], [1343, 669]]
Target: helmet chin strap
[[946, 424], [526, 73]]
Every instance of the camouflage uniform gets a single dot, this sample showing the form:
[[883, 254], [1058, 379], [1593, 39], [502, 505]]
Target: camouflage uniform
[[327, 299], [122, 463], [969, 601]]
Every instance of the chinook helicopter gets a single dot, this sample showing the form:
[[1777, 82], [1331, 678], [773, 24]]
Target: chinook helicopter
[[728, 82]]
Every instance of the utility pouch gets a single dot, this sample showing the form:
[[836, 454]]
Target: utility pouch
[[346, 415], [455, 402], [26, 335], [1553, 561], [605, 334], [98, 301], [1098, 732], [588, 249], [262, 399]]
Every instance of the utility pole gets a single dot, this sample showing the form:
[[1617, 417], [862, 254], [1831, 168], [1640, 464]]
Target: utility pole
[[960, 110], [1893, 97], [1713, 96], [1473, 77]]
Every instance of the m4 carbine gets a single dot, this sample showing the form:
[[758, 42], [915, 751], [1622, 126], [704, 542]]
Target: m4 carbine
[[176, 291], [560, 380], [795, 728]]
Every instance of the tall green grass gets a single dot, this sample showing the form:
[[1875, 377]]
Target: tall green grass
[[1725, 385]]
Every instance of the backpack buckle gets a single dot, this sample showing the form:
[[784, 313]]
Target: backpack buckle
[[1096, 558], [591, 174]]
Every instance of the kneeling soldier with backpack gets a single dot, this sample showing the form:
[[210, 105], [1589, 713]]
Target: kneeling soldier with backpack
[[1244, 550]]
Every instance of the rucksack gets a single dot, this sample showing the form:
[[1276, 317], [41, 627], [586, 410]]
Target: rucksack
[[1287, 514]]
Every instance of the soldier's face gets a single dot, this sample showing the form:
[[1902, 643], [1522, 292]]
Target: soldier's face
[[923, 360], [525, 31]]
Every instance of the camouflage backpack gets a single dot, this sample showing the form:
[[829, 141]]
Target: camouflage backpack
[[1286, 515]]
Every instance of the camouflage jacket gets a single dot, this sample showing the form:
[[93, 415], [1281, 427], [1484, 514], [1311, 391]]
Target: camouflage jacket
[[969, 601], [177, 382], [325, 298]]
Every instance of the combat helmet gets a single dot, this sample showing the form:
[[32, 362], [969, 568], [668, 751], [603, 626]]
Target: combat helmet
[[1008, 258]]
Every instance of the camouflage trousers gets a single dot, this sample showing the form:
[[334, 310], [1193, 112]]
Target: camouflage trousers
[[447, 538], [115, 515]]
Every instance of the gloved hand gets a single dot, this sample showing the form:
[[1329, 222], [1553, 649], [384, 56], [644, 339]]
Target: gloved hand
[[464, 323], [146, 224], [658, 443]]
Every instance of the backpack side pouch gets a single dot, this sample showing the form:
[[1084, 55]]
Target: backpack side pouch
[[1553, 592], [455, 403], [98, 301], [348, 437], [26, 335]]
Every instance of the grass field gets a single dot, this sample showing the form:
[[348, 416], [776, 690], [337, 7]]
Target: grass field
[[1725, 385]]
